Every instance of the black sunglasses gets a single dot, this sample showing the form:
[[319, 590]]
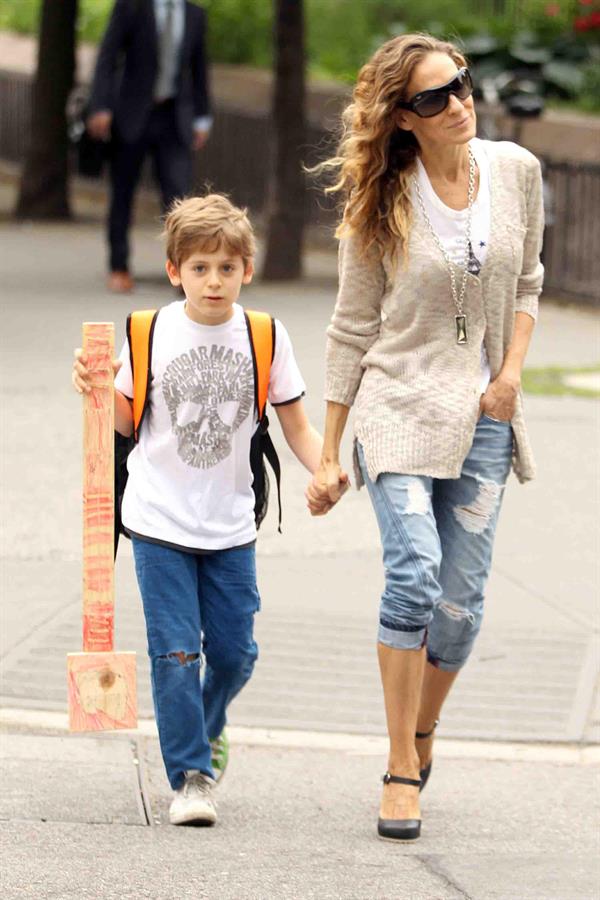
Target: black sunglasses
[[434, 101]]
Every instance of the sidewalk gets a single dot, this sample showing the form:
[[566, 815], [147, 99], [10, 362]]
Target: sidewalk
[[494, 827], [86, 817]]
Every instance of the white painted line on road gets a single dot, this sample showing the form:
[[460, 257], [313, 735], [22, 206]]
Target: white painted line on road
[[351, 744]]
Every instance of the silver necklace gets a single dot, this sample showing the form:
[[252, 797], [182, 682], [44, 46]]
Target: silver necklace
[[458, 296]]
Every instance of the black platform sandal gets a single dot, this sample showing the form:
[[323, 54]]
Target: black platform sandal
[[426, 772], [399, 829]]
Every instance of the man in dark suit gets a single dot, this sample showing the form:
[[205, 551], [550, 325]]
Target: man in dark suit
[[149, 96]]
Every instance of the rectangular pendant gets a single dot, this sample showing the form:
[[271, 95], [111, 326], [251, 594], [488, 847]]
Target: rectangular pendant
[[461, 329]]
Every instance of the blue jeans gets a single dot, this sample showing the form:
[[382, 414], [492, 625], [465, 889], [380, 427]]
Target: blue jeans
[[195, 603], [437, 537]]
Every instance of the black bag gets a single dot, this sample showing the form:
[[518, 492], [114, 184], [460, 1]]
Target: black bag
[[261, 448], [91, 155]]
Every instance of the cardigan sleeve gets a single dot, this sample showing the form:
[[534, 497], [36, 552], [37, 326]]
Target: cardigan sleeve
[[356, 320], [529, 285]]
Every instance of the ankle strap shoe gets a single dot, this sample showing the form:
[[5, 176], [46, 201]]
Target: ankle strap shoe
[[399, 829], [425, 772]]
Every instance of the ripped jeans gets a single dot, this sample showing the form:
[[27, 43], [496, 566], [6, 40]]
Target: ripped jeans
[[195, 602], [437, 537]]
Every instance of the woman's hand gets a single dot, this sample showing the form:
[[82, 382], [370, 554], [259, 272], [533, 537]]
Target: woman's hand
[[328, 485], [500, 399], [80, 375]]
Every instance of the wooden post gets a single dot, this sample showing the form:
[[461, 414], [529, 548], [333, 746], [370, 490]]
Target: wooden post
[[101, 683]]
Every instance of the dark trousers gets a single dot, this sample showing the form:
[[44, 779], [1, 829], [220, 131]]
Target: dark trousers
[[172, 161]]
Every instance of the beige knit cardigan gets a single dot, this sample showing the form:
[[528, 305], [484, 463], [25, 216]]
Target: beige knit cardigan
[[391, 347]]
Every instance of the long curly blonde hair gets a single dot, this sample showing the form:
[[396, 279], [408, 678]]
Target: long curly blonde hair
[[375, 158]]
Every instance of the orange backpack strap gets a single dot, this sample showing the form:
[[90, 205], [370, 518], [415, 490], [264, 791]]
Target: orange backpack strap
[[261, 331], [140, 331]]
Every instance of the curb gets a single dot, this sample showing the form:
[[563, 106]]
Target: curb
[[351, 744]]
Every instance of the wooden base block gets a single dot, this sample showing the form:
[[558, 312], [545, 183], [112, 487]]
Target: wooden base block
[[102, 691]]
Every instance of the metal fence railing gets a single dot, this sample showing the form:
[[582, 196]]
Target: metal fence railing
[[16, 92], [572, 238]]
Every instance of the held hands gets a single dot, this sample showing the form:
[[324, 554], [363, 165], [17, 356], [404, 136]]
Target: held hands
[[328, 485], [500, 399], [80, 375]]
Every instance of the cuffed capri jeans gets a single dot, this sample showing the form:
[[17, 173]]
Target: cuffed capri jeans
[[437, 536]]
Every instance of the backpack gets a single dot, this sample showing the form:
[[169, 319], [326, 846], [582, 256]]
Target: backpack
[[261, 333]]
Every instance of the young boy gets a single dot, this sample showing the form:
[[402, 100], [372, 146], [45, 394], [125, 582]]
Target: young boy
[[189, 503]]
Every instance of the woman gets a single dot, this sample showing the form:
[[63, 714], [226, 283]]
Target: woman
[[439, 283]]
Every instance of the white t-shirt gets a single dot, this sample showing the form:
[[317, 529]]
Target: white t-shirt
[[190, 481], [449, 225]]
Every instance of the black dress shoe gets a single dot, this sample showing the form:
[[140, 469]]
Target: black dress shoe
[[399, 829], [426, 771]]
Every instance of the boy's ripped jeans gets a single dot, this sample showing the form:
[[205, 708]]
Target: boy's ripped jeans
[[186, 595], [437, 537]]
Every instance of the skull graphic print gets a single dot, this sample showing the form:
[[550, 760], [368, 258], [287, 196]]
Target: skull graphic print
[[209, 392]]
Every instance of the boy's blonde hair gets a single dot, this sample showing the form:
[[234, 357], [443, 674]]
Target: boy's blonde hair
[[207, 223]]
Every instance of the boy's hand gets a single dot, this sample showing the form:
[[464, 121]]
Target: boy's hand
[[328, 485], [80, 375]]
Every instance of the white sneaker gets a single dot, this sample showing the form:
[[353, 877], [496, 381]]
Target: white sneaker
[[193, 803]]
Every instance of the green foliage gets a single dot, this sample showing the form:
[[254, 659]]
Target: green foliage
[[19, 15], [93, 16], [240, 31], [23, 16], [341, 35], [548, 20], [556, 381], [564, 75], [589, 98]]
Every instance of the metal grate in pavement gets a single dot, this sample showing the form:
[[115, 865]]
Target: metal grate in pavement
[[318, 673]]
